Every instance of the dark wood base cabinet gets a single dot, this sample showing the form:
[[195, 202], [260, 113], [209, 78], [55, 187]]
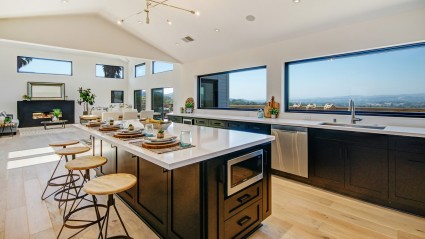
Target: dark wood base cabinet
[[382, 169], [190, 202]]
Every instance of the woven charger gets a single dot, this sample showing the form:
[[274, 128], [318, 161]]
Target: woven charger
[[160, 146]]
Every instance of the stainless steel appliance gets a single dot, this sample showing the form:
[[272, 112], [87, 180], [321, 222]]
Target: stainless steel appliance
[[290, 150], [187, 121], [244, 171]]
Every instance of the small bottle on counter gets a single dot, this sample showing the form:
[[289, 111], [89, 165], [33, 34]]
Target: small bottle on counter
[[260, 113]]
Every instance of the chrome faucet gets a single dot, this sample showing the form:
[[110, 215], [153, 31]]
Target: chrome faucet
[[352, 108]]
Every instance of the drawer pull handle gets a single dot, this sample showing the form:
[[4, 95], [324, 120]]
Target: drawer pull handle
[[244, 198], [416, 161], [244, 220]]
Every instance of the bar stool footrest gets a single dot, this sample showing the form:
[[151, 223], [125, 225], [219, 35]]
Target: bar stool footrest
[[89, 222], [75, 178]]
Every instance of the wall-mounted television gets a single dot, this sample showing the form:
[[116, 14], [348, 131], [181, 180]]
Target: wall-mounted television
[[117, 96]]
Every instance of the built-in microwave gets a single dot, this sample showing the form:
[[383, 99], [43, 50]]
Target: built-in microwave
[[243, 171]]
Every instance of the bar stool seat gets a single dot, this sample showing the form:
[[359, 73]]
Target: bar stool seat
[[109, 185], [64, 143], [86, 162], [72, 150]]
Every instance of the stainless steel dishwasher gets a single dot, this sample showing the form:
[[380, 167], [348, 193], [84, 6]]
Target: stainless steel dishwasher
[[290, 150]]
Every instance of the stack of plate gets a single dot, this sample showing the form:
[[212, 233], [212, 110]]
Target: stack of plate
[[128, 134], [160, 143], [109, 127]]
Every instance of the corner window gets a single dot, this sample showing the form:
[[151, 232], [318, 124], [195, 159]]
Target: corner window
[[107, 71], [27, 64], [244, 89], [140, 70], [387, 81], [159, 66]]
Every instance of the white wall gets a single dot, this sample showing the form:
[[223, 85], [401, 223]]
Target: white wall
[[13, 85], [389, 30], [169, 79]]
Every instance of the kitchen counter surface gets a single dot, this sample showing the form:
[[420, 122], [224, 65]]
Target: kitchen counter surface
[[389, 130], [209, 143]]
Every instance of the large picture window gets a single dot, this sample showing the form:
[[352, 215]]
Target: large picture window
[[387, 81], [107, 71], [27, 64], [244, 89], [159, 66]]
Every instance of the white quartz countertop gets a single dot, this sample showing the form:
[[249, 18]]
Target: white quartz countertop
[[389, 129], [209, 143]]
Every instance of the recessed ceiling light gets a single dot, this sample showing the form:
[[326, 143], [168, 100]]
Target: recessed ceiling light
[[197, 13], [169, 22], [65, 1], [177, 44], [140, 22], [296, 1], [119, 22], [217, 30], [250, 18]]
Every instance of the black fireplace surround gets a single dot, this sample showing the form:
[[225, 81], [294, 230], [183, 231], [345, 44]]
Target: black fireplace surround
[[26, 109]]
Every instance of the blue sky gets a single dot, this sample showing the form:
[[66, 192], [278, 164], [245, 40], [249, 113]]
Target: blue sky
[[249, 85], [387, 73], [48, 67]]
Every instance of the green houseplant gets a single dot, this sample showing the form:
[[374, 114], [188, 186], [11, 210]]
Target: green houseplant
[[274, 112], [86, 99], [26, 97], [56, 114], [160, 134], [189, 107]]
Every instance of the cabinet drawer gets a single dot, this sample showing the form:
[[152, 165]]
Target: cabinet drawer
[[259, 128], [244, 222], [217, 124], [201, 122], [239, 201], [237, 126], [175, 119], [407, 144]]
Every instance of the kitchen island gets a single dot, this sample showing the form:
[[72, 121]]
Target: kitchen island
[[196, 192]]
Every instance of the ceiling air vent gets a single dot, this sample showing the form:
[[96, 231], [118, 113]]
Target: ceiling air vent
[[188, 39]]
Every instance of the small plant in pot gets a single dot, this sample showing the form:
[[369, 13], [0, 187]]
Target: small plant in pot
[[56, 114], [274, 112], [26, 97], [111, 122], [130, 127], [189, 107], [160, 134]]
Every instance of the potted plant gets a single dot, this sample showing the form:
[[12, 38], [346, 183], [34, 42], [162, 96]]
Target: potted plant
[[274, 112], [86, 99], [160, 134], [26, 97], [189, 107], [130, 127], [56, 114]]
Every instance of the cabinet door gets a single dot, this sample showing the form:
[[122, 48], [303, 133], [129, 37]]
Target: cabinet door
[[152, 195], [326, 163], [407, 186], [127, 163], [367, 171]]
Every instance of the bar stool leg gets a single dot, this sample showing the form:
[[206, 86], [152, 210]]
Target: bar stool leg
[[47, 185], [111, 203]]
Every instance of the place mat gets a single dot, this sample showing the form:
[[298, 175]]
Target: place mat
[[162, 151]]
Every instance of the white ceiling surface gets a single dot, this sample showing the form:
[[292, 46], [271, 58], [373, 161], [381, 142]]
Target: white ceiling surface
[[276, 20]]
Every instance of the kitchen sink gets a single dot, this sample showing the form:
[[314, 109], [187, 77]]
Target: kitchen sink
[[379, 127]]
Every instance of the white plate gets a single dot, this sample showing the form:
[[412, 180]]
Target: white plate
[[160, 142]]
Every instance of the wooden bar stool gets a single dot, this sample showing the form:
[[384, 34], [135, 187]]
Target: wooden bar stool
[[84, 163], [109, 185], [51, 182]]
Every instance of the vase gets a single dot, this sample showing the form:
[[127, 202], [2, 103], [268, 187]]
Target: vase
[[273, 116], [160, 135], [54, 118], [189, 110], [85, 112]]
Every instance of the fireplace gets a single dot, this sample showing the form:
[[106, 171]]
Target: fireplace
[[31, 113], [44, 115]]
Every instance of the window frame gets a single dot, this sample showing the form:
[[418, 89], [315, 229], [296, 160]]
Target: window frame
[[27, 72], [198, 92], [95, 72], [153, 67], [135, 71], [116, 91], [343, 55]]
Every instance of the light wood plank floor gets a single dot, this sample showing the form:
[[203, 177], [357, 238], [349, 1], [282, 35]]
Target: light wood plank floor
[[299, 211]]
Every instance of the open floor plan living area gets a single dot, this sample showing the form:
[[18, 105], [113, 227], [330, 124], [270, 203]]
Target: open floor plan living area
[[274, 119]]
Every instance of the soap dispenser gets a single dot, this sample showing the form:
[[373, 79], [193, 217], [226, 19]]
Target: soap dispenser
[[260, 113]]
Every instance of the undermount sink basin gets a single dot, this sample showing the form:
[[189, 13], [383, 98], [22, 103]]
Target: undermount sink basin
[[380, 127]]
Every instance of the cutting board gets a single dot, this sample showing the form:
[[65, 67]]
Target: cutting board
[[270, 105], [160, 146]]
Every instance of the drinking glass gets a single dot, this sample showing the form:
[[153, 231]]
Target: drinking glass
[[185, 138], [149, 129]]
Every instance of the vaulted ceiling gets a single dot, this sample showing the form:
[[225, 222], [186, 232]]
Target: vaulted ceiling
[[275, 20]]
